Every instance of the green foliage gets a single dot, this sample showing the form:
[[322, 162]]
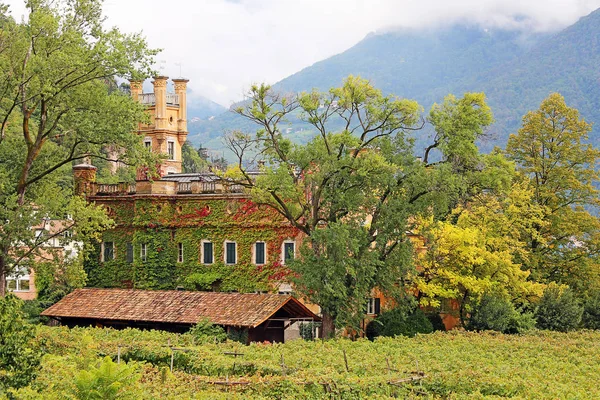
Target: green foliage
[[162, 225], [398, 322], [19, 354], [238, 335], [457, 364], [558, 310], [552, 151], [191, 160], [204, 331], [59, 106], [495, 312], [108, 381], [364, 182], [591, 311], [201, 281]]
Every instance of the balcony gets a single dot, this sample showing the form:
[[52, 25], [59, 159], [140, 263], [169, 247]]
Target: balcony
[[149, 99]]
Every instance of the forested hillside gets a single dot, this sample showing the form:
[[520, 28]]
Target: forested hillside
[[515, 69]]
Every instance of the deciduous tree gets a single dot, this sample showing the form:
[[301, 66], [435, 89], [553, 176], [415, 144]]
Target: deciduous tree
[[551, 149], [353, 188], [58, 106]]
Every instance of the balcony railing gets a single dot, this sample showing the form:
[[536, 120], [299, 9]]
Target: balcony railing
[[115, 188], [184, 187], [150, 99], [147, 98]]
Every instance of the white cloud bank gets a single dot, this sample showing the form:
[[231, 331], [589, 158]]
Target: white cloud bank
[[225, 45]]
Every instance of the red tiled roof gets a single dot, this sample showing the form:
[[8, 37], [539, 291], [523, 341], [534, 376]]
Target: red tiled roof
[[177, 307]]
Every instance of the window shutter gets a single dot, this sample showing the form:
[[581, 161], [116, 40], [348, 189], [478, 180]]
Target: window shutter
[[230, 253], [129, 253], [259, 253], [208, 253], [377, 305]]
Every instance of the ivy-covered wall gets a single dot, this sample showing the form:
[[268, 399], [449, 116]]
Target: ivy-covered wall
[[162, 222]]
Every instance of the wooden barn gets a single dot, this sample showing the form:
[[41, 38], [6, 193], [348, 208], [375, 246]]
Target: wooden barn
[[264, 316]]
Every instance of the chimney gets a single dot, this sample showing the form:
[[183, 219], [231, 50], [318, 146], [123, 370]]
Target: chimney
[[180, 90], [160, 101], [135, 88], [84, 176]]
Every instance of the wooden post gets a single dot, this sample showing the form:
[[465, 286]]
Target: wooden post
[[282, 366], [172, 356], [119, 354], [346, 361]]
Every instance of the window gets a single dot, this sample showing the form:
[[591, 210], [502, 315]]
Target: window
[[230, 253], [259, 253], [171, 150], [20, 281], [207, 253], [288, 251], [144, 252], [373, 306], [108, 251], [180, 252], [148, 144], [129, 254]]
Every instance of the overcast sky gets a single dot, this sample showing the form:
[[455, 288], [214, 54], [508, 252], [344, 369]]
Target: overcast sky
[[223, 46]]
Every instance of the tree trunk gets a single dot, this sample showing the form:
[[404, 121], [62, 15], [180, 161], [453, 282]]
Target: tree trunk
[[2, 276], [328, 326]]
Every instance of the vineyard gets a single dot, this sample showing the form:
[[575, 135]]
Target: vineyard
[[152, 364]]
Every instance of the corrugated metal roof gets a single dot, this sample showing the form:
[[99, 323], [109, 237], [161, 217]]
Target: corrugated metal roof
[[178, 307]]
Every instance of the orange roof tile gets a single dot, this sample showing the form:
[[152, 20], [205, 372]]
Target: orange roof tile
[[177, 307]]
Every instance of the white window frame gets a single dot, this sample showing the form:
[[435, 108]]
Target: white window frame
[[23, 276], [144, 252], [283, 249], [148, 143], [254, 252], [225, 252], [372, 305], [180, 252], [171, 142], [202, 252]]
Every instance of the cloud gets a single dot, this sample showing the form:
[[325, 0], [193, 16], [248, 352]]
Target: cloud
[[226, 45]]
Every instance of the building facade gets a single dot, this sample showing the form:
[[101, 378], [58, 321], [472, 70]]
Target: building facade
[[193, 231]]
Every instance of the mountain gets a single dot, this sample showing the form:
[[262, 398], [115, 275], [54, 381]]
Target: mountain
[[515, 69], [199, 107]]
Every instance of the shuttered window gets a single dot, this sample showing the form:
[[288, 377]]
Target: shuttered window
[[259, 253], [207, 252], [230, 253], [129, 253]]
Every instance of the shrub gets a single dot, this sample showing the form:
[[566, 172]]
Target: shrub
[[205, 332], [558, 310], [436, 321], [398, 322], [108, 381], [19, 356], [201, 281], [494, 312], [591, 311]]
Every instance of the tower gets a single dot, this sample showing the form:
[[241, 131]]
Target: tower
[[167, 130]]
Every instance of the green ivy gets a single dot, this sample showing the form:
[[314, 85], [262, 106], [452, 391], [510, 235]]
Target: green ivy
[[162, 224]]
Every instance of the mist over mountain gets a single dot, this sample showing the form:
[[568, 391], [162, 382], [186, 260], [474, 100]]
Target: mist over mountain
[[516, 70]]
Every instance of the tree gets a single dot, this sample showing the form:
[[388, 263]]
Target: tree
[[19, 356], [353, 188], [58, 105], [192, 162], [551, 151], [478, 248], [558, 309]]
